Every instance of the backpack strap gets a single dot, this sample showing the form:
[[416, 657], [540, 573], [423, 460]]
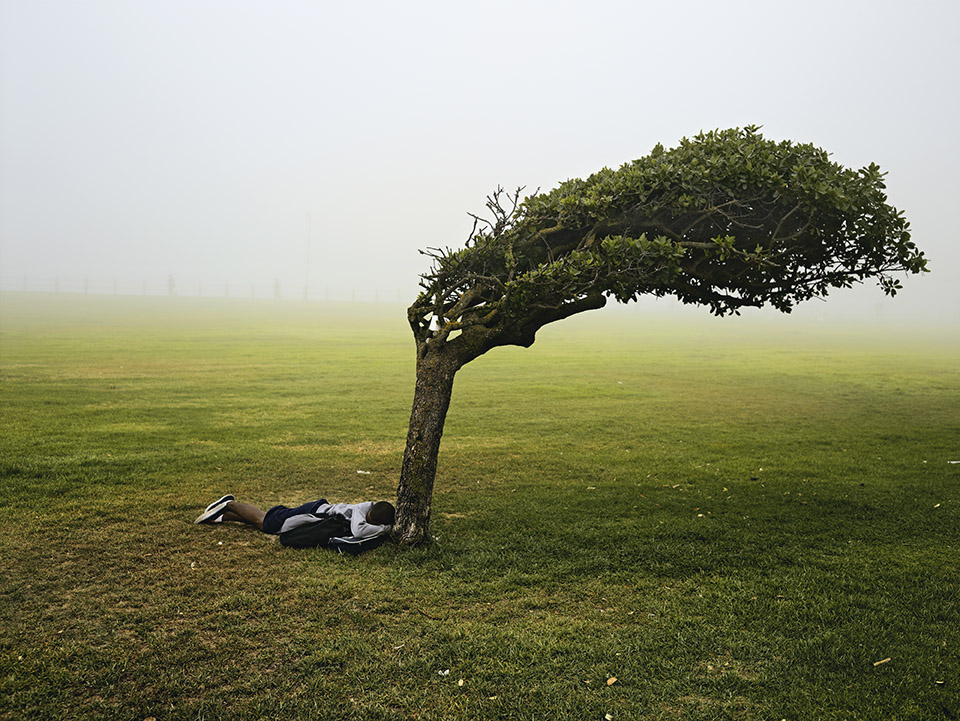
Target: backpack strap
[[309, 533], [355, 546]]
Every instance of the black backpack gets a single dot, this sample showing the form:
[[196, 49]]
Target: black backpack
[[316, 533]]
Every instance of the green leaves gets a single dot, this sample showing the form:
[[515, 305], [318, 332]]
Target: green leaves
[[726, 244], [726, 219]]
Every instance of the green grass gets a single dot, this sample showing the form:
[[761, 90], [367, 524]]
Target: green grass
[[734, 519]]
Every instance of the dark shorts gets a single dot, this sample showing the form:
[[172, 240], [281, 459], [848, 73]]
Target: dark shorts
[[275, 517]]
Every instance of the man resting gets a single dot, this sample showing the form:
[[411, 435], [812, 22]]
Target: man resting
[[355, 527]]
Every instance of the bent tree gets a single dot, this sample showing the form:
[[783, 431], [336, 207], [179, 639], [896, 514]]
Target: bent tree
[[725, 220]]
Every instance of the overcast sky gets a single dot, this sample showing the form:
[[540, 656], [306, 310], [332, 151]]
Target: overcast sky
[[247, 141]]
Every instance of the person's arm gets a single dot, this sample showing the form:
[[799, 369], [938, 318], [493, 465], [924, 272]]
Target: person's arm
[[359, 526]]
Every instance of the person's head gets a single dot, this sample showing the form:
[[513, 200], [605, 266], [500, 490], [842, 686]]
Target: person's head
[[381, 513]]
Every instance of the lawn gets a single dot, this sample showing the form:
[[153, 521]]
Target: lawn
[[640, 517]]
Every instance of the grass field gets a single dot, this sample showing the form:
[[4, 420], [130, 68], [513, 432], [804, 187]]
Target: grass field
[[638, 518]]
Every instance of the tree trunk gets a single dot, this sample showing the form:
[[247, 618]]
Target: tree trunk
[[431, 399]]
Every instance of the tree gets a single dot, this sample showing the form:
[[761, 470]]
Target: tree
[[726, 220]]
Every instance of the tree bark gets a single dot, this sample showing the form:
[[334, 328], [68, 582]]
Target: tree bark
[[431, 399]]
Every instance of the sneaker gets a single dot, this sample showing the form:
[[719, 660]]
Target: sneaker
[[226, 498], [213, 514]]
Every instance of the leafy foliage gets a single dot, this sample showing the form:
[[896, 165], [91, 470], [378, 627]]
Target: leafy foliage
[[727, 219]]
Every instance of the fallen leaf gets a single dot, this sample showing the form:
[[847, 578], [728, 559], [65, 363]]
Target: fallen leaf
[[491, 698], [460, 682], [608, 717], [612, 680]]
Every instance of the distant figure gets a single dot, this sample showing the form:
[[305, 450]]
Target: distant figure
[[276, 288], [171, 285], [350, 528]]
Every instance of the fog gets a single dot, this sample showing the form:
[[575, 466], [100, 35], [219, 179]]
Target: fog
[[247, 147]]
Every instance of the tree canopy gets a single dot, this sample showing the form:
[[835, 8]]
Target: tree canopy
[[726, 219]]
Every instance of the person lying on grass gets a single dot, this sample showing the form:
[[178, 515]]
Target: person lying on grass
[[352, 528]]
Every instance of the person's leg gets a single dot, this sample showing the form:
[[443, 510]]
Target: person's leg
[[244, 512]]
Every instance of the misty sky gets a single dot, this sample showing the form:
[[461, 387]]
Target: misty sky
[[243, 141]]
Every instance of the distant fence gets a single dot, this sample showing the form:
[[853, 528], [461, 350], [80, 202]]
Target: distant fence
[[172, 287]]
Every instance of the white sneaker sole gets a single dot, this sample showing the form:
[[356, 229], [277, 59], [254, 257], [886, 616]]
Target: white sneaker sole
[[212, 515], [216, 503]]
